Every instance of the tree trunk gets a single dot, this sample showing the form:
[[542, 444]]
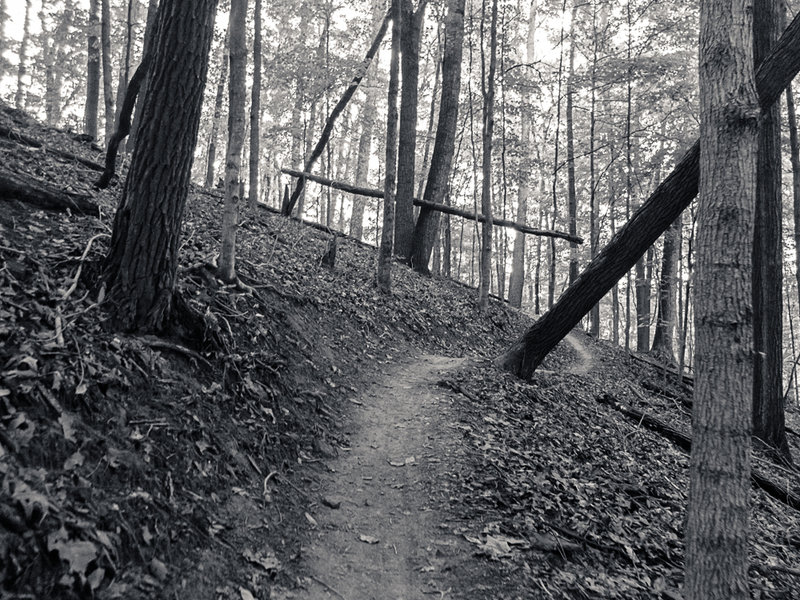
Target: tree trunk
[[487, 89], [516, 282], [92, 71], [768, 410], [794, 148], [334, 114], [255, 109], [362, 164], [551, 282], [149, 41], [108, 76], [125, 68], [651, 220], [141, 265], [717, 516], [665, 319], [211, 154], [572, 197], [594, 230], [384, 276], [442, 159], [22, 67], [407, 142], [237, 89]]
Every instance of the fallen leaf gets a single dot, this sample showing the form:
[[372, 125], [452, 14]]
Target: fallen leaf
[[76, 460], [246, 594], [311, 520], [266, 560]]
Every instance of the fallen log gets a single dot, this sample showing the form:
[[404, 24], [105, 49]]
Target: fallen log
[[684, 442], [374, 193], [25, 140], [652, 219], [31, 190]]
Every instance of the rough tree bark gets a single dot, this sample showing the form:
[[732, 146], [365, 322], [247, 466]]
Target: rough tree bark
[[427, 223], [141, 265], [651, 219], [717, 516]]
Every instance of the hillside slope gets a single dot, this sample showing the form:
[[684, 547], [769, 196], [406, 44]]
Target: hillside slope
[[191, 465]]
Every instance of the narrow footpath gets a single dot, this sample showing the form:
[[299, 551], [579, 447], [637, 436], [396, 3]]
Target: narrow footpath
[[381, 533]]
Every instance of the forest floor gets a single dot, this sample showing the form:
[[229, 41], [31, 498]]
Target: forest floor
[[317, 439]]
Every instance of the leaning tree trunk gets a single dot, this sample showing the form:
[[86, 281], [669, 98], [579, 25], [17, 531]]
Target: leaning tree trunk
[[141, 265], [125, 67], [717, 515], [237, 90], [427, 223], [651, 220]]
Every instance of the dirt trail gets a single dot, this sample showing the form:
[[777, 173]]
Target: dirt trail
[[388, 539]]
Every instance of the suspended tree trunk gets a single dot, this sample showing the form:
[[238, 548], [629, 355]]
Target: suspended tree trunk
[[92, 71], [442, 159], [255, 109], [237, 90], [149, 41], [407, 149], [22, 67], [717, 517], [516, 282], [387, 235], [337, 110], [108, 76], [768, 404], [651, 219], [211, 154], [487, 91], [141, 265], [572, 197]]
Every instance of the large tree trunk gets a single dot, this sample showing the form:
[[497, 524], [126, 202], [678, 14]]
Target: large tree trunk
[[768, 410], [427, 223], [142, 261], [717, 516], [255, 109], [108, 76], [487, 89], [92, 71], [651, 220], [384, 275], [407, 142], [237, 89]]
